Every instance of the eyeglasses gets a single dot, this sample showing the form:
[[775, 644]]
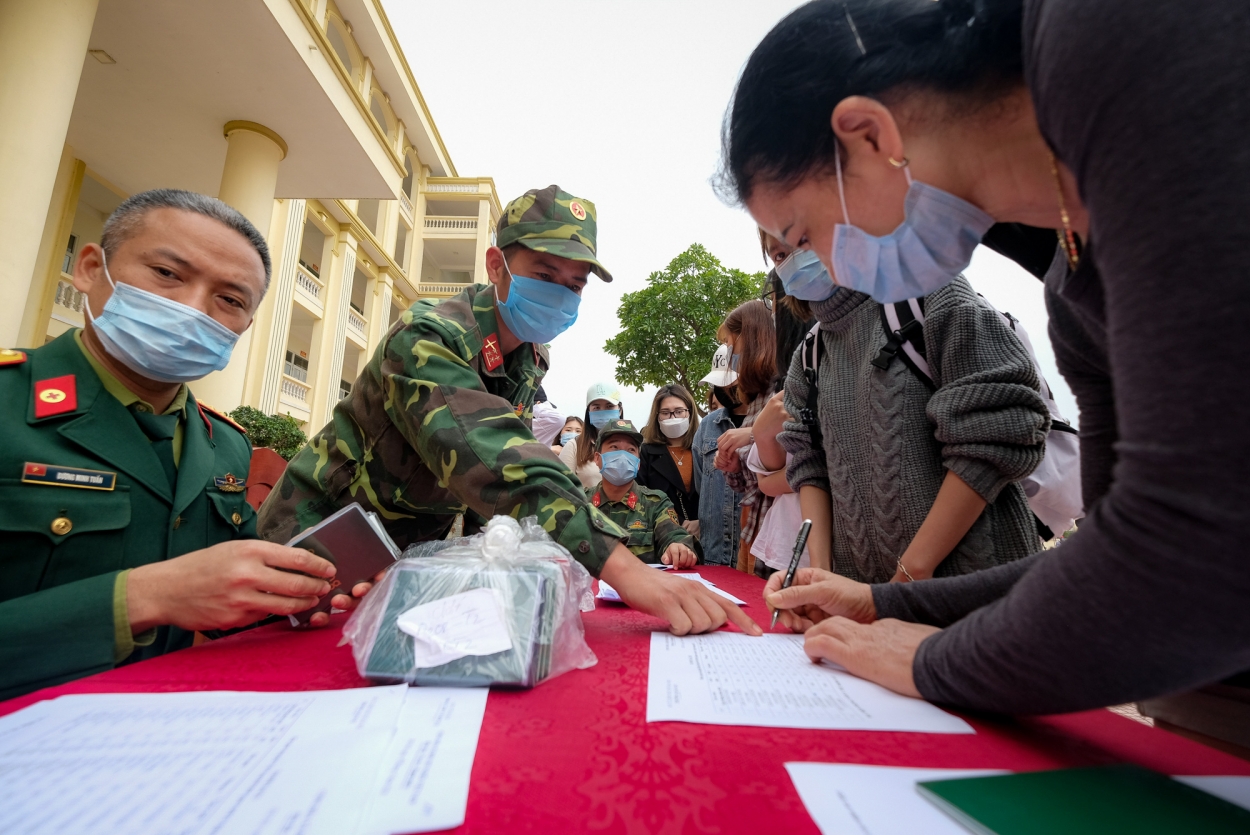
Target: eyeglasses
[[669, 414], [767, 298]]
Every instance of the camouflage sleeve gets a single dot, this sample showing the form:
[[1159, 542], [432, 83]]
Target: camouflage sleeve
[[481, 450], [667, 529]]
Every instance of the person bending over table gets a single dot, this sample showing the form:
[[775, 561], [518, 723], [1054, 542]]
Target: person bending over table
[[439, 421], [125, 526], [647, 516], [1123, 127]]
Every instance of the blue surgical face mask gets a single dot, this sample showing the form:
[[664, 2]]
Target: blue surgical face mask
[[620, 467], [804, 277], [568, 438], [603, 418], [160, 338], [928, 249], [538, 311]]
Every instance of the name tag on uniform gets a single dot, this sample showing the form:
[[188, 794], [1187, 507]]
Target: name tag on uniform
[[68, 476]]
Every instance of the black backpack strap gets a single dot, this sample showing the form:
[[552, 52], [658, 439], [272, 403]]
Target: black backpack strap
[[809, 415], [908, 334]]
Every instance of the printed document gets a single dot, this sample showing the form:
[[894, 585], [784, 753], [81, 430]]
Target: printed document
[[222, 762], [611, 595], [727, 678], [873, 799]]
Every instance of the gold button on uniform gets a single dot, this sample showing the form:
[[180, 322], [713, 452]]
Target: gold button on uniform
[[177, 522], [236, 518], [61, 526]]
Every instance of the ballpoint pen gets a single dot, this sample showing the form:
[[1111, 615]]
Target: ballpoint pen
[[799, 545]]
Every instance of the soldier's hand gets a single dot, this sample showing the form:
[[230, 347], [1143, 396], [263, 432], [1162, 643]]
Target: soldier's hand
[[678, 556], [689, 608], [343, 602], [226, 586]]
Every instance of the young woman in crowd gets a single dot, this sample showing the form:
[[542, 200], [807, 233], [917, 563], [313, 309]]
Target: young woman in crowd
[[745, 363], [790, 327], [667, 458], [915, 126], [572, 428], [603, 405]]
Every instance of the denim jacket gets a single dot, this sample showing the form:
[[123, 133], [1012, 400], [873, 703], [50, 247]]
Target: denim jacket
[[719, 506]]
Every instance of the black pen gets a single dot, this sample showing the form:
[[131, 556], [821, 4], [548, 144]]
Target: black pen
[[799, 545]]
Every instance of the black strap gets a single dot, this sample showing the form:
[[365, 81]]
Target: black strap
[[809, 415], [911, 331]]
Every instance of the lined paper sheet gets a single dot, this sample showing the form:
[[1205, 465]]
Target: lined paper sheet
[[214, 762], [727, 678], [874, 800]]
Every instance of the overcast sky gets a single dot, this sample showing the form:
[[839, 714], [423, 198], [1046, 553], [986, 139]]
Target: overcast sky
[[619, 103]]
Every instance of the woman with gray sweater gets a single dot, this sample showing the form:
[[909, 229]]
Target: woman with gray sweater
[[908, 482]]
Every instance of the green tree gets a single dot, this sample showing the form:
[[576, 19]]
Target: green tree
[[281, 433], [668, 328]]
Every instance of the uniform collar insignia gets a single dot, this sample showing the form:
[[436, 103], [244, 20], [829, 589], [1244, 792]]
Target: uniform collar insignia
[[56, 396], [632, 500], [596, 499], [491, 354]]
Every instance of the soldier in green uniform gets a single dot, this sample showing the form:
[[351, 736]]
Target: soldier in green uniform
[[123, 521], [647, 516], [439, 421]]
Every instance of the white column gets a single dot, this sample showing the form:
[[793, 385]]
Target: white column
[[340, 333], [282, 291], [483, 239], [380, 311], [42, 46], [249, 182]]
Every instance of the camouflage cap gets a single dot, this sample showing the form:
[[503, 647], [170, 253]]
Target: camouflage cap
[[554, 221], [618, 427]]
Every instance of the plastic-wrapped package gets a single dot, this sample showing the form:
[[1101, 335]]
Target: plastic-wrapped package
[[538, 591]]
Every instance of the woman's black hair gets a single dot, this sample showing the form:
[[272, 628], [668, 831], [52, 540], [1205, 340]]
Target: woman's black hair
[[790, 329], [777, 129]]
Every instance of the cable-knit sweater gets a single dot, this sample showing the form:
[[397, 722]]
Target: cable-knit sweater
[[889, 439]]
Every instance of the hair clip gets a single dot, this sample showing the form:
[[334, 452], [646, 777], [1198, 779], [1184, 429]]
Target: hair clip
[[854, 30]]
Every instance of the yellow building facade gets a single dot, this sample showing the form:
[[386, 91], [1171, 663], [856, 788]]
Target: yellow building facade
[[270, 105]]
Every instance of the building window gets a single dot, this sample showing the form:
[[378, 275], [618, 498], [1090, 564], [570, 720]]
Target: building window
[[312, 248], [408, 176], [401, 247], [67, 266], [457, 277], [368, 211], [338, 42], [296, 366], [378, 109]]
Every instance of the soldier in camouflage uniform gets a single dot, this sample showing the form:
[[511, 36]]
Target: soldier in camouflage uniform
[[439, 421], [647, 516]]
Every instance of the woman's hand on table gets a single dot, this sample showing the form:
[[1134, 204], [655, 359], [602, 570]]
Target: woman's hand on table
[[881, 652], [689, 608], [817, 595]]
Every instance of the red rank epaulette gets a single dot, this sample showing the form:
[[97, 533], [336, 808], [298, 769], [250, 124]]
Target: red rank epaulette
[[492, 356], [9, 356], [632, 500], [203, 407]]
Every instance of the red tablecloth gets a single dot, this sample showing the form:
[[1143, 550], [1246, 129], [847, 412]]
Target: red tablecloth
[[576, 754]]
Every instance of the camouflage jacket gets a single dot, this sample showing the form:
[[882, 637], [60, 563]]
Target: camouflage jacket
[[648, 518], [437, 424]]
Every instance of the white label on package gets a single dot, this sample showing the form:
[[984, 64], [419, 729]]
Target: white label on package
[[469, 623]]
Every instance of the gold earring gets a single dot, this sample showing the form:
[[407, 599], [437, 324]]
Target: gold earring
[[897, 163]]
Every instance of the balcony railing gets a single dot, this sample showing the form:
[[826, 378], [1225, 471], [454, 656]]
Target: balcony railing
[[357, 323], [292, 370], [305, 281], [406, 202], [67, 296], [441, 289], [296, 391], [452, 188], [454, 225]]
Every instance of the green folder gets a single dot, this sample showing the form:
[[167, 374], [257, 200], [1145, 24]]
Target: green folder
[[1099, 801]]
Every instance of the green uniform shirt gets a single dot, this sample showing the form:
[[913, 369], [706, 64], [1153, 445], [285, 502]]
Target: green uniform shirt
[[439, 423], [648, 518], [64, 545]]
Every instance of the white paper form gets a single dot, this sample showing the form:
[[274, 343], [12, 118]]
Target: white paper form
[[874, 800], [198, 763], [1235, 790], [727, 678], [469, 623], [611, 595], [422, 783]]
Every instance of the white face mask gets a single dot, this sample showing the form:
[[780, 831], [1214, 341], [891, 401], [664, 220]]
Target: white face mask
[[674, 427]]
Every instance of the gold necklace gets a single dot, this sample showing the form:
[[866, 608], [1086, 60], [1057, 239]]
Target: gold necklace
[[1067, 240]]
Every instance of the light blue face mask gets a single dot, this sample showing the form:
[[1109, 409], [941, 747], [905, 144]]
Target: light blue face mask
[[804, 277], [538, 311], [603, 418], [928, 249], [620, 467], [568, 437], [160, 338]]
